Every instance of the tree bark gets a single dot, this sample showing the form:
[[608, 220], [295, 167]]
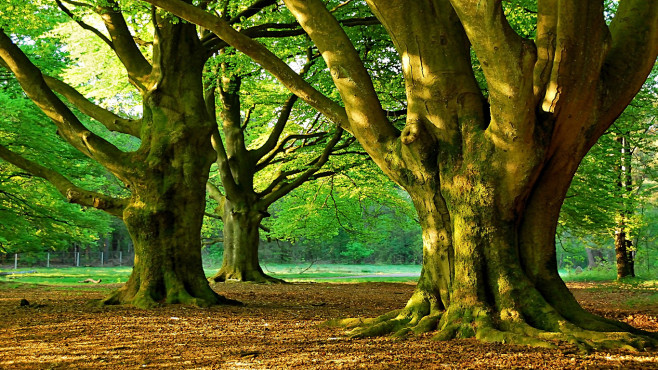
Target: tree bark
[[624, 255], [241, 242], [166, 235], [623, 244]]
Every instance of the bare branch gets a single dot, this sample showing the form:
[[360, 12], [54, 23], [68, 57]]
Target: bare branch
[[84, 25]]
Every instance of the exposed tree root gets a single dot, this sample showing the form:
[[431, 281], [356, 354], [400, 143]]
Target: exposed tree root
[[505, 327], [421, 315], [151, 296], [251, 275]]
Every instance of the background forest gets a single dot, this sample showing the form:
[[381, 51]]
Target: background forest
[[351, 213]]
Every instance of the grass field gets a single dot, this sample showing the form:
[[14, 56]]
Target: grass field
[[288, 272]]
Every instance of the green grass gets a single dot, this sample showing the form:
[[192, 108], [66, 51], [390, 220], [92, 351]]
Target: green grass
[[648, 300], [70, 275], [301, 273], [343, 273], [603, 274]]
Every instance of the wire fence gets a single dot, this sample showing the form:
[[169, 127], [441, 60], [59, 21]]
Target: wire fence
[[66, 259]]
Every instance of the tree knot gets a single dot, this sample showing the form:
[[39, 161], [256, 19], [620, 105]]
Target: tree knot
[[412, 131]]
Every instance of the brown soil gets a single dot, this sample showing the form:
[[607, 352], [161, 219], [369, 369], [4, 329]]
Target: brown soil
[[278, 328]]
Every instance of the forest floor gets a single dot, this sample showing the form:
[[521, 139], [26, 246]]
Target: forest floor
[[279, 327]]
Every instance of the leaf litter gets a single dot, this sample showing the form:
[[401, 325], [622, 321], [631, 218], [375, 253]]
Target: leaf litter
[[278, 328]]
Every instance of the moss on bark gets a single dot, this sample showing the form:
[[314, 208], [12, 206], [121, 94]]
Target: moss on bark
[[241, 240]]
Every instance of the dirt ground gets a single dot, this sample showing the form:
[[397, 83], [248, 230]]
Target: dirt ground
[[279, 328]]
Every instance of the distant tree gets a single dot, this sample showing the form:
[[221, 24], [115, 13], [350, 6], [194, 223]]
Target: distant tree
[[246, 191]]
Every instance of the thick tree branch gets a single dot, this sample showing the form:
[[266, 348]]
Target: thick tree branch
[[125, 47], [222, 158], [110, 120], [546, 44], [32, 82], [368, 120], [214, 192], [71, 192], [225, 172], [260, 54], [567, 29], [634, 31], [507, 61]]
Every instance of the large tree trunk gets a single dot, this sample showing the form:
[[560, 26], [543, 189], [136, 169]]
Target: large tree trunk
[[490, 268], [165, 229], [165, 212], [241, 240]]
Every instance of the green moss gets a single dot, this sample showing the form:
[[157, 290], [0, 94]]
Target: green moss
[[465, 331]]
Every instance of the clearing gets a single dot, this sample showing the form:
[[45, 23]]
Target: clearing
[[278, 328]]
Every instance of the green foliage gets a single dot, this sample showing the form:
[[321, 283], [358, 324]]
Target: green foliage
[[607, 193], [353, 217], [356, 251], [33, 216], [95, 69]]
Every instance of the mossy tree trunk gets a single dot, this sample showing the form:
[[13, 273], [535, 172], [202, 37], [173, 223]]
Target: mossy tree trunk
[[241, 241], [242, 206], [165, 212], [487, 174]]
